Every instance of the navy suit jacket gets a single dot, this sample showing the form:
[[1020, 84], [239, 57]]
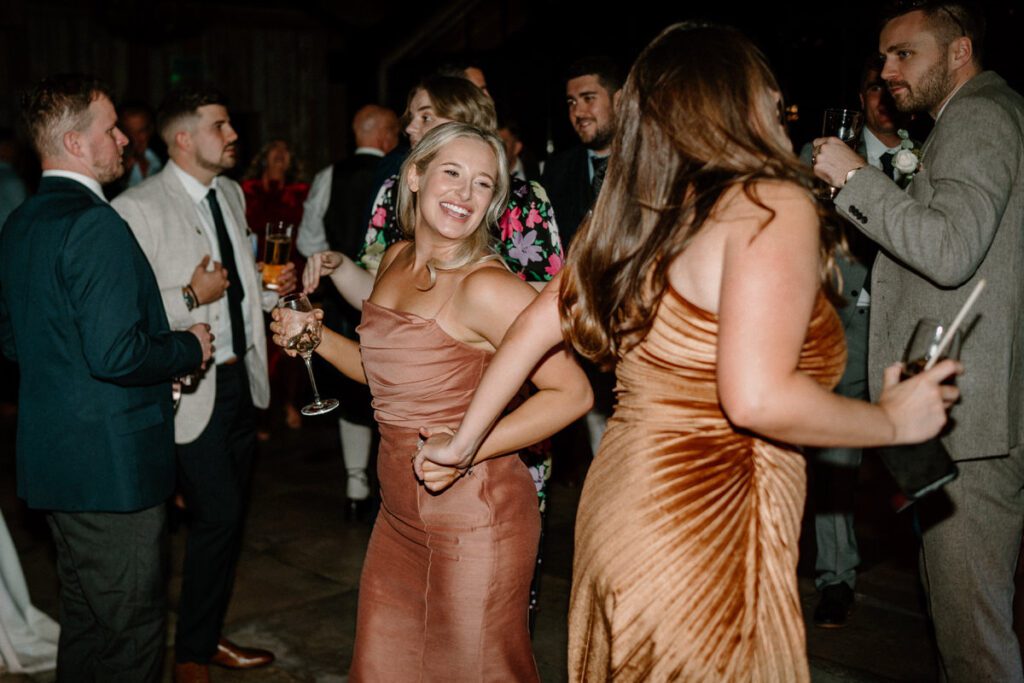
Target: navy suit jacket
[[81, 313], [567, 181]]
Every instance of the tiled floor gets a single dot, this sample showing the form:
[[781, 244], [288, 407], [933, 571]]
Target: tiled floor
[[298, 578]]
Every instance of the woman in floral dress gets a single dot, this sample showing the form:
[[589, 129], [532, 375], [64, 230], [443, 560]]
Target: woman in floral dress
[[527, 235]]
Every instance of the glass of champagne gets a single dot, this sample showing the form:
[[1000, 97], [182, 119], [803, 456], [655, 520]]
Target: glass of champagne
[[844, 124], [302, 332], [277, 251]]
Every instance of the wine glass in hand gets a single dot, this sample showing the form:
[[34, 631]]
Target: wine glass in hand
[[302, 332]]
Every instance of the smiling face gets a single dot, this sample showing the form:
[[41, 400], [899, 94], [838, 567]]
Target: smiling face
[[591, 111], [916, 63], [455, 190], [422, 117]]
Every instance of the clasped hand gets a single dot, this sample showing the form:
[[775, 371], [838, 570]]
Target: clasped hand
[[437, 463]]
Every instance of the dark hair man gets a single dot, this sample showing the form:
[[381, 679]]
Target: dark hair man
[[190, 222]]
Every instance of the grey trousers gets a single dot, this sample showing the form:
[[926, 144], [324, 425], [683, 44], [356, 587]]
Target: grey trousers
[[836, 472], [112, 595], [971, 540]]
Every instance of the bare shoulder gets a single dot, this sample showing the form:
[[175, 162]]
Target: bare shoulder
[[492, 278], [390, 255]]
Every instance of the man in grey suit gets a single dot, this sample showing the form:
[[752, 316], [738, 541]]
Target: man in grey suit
[[191, 224], [81, 313], [960, 220]]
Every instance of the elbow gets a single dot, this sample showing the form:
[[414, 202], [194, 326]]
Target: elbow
[[582, 400], [954, 275], [750, 410]]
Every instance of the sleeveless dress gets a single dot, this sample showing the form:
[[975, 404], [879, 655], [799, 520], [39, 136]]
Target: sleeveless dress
[[687, 529], [444, 591]]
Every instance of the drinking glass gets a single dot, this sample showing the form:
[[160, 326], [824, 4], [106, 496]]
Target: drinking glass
[[302, 332], [844, 124], [277, 250], [924, 345]]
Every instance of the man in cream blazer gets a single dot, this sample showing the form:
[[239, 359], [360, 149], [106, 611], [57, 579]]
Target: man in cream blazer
[[191, 225]]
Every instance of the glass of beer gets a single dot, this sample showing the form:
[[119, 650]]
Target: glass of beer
[[846, 125], [277, 251]]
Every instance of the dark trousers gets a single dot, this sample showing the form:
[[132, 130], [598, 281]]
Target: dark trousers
[[214, 477], [112, 600]]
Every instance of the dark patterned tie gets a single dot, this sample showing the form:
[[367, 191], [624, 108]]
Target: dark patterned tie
[[887, 167], [235, 293], [600, 165]]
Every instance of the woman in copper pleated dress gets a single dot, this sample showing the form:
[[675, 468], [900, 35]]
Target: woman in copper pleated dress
[[701, 278], [444, 593]]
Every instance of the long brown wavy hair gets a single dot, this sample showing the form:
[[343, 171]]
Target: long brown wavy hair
[[699, 114]]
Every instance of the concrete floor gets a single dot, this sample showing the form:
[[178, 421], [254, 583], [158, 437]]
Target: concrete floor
[[298, 578]]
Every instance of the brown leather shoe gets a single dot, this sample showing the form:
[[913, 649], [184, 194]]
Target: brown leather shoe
[[191, 672], [231, 656]]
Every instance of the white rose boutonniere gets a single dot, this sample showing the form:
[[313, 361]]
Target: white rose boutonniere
[[907, 160]]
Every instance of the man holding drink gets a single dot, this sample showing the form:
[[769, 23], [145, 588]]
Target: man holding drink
[[959, 221], [183, 216]]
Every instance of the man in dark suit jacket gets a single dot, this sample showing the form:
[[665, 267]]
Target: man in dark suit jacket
[[573, 180], [81, 313], [960, 220], [334, 217], [573, 177]]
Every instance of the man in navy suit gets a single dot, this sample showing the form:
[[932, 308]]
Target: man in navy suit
[[81, 313]]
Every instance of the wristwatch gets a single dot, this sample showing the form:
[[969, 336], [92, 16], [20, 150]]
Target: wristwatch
[[190, 299]]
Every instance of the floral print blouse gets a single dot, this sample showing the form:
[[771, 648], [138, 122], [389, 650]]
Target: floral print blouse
[[527, 234]]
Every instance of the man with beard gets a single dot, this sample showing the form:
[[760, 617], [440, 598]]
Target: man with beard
[[573, 178], [81, 313], [190, 222], [960, 220]]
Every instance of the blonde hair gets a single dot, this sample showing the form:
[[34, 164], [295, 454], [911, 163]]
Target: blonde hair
[[479, 245]]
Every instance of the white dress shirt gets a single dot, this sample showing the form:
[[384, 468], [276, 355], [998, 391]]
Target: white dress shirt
[[312, 236], [90, 183], [221, 320], [875, 148]]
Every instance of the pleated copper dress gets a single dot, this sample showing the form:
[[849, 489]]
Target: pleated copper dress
[[444, 592], [687, 529]]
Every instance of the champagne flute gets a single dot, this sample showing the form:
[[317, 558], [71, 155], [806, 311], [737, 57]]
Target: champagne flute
[[302, 332], [844, 124]]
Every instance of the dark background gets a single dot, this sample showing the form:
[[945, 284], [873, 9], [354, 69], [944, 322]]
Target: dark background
[[300, 69]]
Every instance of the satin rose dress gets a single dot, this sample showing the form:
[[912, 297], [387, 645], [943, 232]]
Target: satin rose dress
[[444, 592]]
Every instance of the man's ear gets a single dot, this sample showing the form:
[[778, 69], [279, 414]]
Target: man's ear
[[183, 139], [961, 52], [615, 97], [72, 143]]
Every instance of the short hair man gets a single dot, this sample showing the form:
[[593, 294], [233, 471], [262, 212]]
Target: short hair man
[[836, 469], [573, 180], [81, 312], [961, 220], [191, 224], [141, 162], [574, 177], [332, 218]]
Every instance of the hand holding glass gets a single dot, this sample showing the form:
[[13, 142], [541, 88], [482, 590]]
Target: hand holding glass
[[301, 330], [844, 124]]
